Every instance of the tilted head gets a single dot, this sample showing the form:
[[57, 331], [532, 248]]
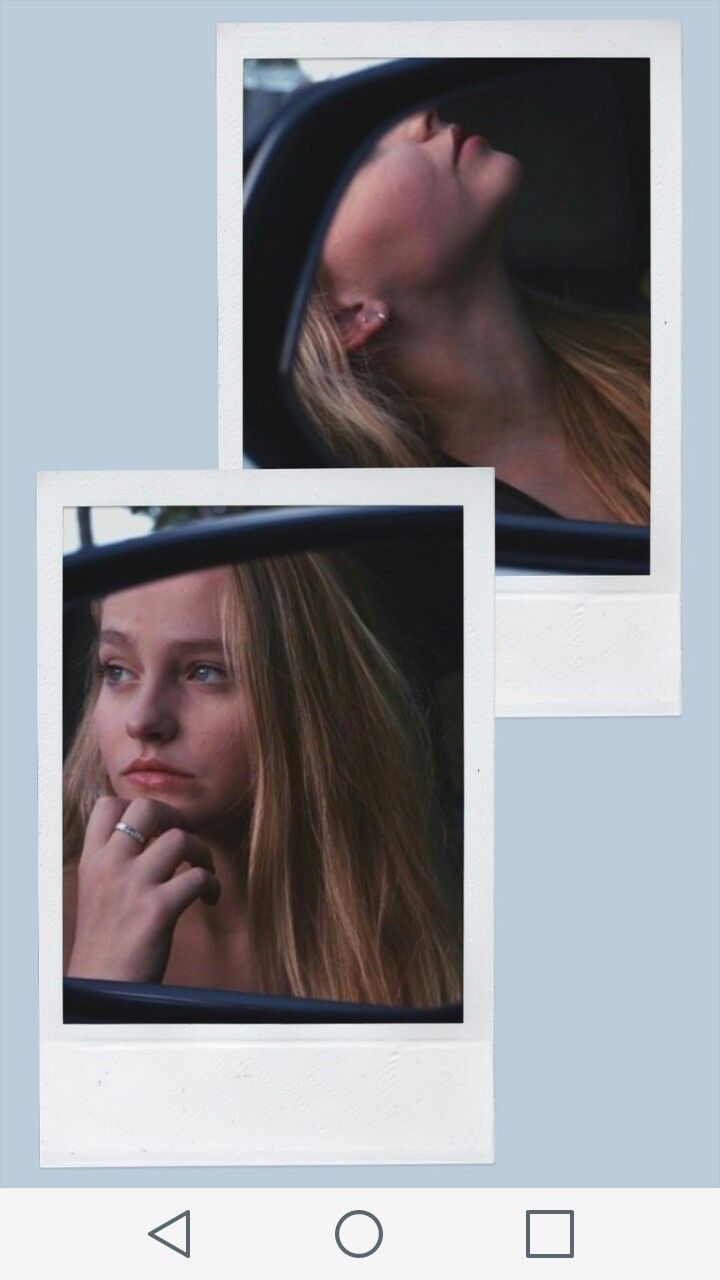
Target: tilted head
[[425, 205]]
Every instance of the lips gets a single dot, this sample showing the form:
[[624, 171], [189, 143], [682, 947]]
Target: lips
[[154, 773], [464, 142]]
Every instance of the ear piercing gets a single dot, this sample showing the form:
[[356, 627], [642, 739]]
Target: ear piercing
[[373, 315]]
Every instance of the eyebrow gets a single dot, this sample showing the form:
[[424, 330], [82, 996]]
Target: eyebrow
[[199, 642]]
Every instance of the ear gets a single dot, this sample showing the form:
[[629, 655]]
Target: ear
[[360, 321]]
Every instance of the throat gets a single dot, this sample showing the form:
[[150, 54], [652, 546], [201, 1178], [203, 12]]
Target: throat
[[211, 951], [480, 377]]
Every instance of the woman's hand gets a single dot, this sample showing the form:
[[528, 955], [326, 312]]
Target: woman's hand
[[130, 897]]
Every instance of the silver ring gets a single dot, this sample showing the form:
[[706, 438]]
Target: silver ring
[[134, 834]]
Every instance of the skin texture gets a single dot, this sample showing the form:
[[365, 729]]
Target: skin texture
[[413, 262], [416, 215], [167, 696], [167, 699], [127, 904]]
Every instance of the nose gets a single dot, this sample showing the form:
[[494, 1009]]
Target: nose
[[151, 716], [423, 125]]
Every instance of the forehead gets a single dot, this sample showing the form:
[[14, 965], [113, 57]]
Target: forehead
[[178, 604]]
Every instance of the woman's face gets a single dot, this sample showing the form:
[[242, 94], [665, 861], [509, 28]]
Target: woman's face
[[427, 198], [169, 719]]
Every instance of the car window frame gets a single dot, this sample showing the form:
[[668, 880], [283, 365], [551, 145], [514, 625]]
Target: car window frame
[[303, 145], [201, 544]]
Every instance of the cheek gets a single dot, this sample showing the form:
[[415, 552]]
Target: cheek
[[400, 250], [383, 219], [108, 730], [225, 746]]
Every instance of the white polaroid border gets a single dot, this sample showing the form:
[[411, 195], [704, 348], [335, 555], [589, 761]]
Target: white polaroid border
[[271, 1094], [569, 645]]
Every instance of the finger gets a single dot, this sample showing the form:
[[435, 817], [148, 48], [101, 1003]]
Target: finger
[[148, 818], [106, 811], [168, 852], [177, 894]]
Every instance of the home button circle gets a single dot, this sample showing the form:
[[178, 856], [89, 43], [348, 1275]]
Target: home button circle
[[359, 1233]]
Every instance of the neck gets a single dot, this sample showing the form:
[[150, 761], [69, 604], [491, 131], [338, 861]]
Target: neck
[[211, 944], [475, 367], [228, 848]]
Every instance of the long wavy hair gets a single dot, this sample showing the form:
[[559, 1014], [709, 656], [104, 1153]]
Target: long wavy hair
[[343, 885], [599, 366]]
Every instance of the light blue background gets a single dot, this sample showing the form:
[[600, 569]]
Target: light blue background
[[607, 897]]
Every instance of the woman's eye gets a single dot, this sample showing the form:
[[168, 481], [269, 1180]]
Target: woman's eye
[[113, 673], [208, 673]]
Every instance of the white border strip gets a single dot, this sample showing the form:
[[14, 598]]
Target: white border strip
[[571, 644], [273, 1094]]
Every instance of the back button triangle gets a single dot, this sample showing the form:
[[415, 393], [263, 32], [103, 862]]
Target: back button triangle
[[179, 1234]]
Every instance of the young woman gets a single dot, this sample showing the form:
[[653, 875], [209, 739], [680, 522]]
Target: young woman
[[248, 802], [417, 350]]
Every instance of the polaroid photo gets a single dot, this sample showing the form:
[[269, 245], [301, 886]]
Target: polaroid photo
[[266, 733], [434, 251]]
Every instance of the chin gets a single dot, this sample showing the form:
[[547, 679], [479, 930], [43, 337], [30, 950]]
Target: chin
[[496, 197], [502, 178]]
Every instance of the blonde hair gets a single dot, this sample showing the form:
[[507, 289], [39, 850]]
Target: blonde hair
[[600, 370], [344, 899]]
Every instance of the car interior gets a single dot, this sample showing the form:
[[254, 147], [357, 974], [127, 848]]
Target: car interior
[[406, 569], [580, 127]]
